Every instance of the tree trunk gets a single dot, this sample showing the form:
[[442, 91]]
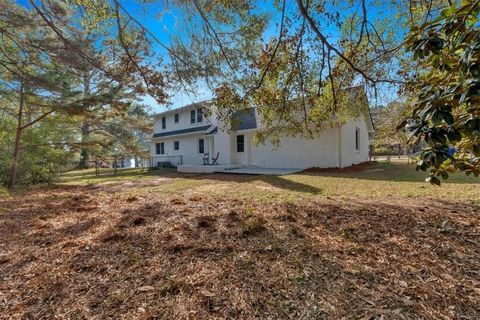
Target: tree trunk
[[85, 151], [18, 136]]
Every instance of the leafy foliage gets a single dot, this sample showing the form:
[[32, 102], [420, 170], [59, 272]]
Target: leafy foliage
[[447, 112], [65, 87], [386, 119]]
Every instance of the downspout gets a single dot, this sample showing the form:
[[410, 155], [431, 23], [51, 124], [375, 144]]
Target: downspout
[[340, 147]]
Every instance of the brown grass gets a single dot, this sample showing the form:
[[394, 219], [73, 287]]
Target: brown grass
[[78, 252]]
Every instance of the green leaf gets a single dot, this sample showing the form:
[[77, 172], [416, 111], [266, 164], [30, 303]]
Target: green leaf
[[433, 180], [447, 116], [437, 117]]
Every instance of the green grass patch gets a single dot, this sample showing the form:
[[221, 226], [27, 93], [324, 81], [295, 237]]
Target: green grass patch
[[88, 176], [395, 179]]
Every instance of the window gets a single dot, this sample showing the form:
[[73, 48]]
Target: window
[[201, 146], [240, 143], [160, 148], [357, 139], [199, 115], [176, 145], [176, 117], [192, 116], [164, 122]]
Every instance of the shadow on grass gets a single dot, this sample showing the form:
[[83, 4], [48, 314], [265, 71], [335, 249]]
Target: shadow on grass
[[394, 171], [133, 176]]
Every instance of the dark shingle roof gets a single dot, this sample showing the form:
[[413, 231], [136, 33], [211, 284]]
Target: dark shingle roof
[[245, 119], [213, 131], [181, 131]]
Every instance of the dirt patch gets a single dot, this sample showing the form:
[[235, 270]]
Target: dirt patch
[[200, 257]]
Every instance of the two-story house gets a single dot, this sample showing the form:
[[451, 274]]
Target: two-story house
[[189, 137]]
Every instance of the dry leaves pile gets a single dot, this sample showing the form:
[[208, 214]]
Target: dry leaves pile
[[82, 253]]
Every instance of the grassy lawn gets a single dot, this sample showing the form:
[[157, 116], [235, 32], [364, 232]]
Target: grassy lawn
[[353, 244], [380, 180]]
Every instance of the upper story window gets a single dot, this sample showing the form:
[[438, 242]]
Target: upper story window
[[199, 115], [176, 145], [176, 117], [357, 139], [160, 148], [240, 143], [164, 122], [192, 116]]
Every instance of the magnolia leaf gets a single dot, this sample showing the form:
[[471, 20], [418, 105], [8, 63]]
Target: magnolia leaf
[[433, 180]]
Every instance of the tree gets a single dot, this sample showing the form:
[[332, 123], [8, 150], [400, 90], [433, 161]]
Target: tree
[[52, 71], [386, 119], [28, 61], [447, 112]]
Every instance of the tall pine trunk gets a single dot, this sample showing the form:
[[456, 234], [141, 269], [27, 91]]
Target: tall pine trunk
[[85, 151], [18, 137]]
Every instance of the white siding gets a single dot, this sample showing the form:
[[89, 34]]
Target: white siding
[[188, 148], [183, 121], [222, 144], [349, 153], [296, 152]]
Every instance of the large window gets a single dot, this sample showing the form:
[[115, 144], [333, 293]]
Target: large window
[[176, 145], [357, 139], [160, 148], [164, 122], [176, 117], [240, 143], [201, 146], [199, 115], [192, 116]]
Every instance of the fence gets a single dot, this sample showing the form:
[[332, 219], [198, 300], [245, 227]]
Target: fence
[[166, 161]]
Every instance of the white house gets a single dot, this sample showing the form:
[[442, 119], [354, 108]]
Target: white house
[[187, 138]]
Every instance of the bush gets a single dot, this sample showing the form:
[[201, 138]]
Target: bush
[[39, 165], [4, 193], [380, 151]]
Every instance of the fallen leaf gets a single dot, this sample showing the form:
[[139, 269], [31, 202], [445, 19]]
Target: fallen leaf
[[146, 288], [407, 302], [208, 293]]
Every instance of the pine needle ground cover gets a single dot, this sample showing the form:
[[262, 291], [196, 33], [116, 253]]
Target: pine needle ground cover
[[360, 244]]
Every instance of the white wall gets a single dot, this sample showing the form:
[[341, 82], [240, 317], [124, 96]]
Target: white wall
[[222, 142], [188, 148], [296, 152], [349, 153], [183, 121]]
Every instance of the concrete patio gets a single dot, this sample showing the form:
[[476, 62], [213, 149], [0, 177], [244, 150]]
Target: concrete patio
[[204, 168], [260, 171]]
